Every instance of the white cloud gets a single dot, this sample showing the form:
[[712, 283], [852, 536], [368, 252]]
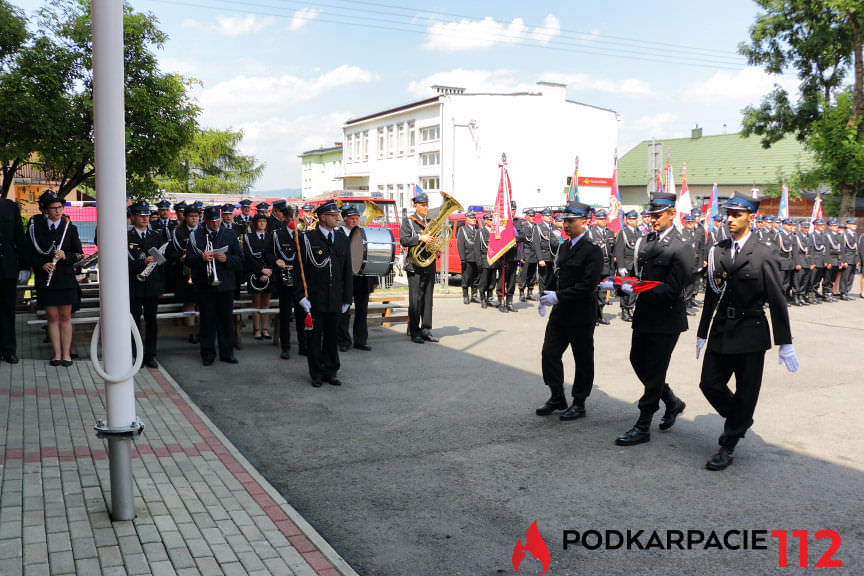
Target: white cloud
[[746, 86], [301, 17], [471, 34], [233, 26], [584, 83]]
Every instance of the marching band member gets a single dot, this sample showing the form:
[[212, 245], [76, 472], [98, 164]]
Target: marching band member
[[528, 256], [327, 266], [288, 281], [55, 249], [465, 239], [487, 274], [307, 217], [258, 256], [362, 287], [14, 267], [275, 221], [228, 219], [144, 294], [185, 290], [244, 219], [421, 279], [214, 256]]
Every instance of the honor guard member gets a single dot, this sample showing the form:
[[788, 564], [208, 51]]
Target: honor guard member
[[822, 263], [486, 282], [744, 277], [307, 217], [625, 243], [691, 236], [558, 229], [787, 258], [260, 264], [185, 290], [287, 277], [605, 239], [848, 258], [659, 317], [545, 246], [860, 245], [228, 219], [801, 271], [214, 256], [244, 219], [362, 287], [146, 278], [327, 265], [14, 270], [275, 221], [834, 244], [527, 257], [508, 263], [263, 208], [179, 213], [421, 279], [571, 296], [163, 218], [466, 237]]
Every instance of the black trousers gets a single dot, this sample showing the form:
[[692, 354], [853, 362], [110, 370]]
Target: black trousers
[[8, 344], [528, 276], [581, 342], [216, 310], [359, 330], [507, 281], [650, 354], [847, 274], [322, 342], [148, 305], [469, 276], [738, 407], [288, 307], [799, 281], [421, 286], [787, 276], [544, 275], [487, 281]]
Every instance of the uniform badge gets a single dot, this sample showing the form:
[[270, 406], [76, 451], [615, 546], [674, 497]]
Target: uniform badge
[[320, 252]]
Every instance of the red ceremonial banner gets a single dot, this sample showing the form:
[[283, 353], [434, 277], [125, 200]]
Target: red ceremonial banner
[[503, 235]]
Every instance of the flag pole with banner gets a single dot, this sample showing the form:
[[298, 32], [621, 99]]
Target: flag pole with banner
[[573, 192], [503, 236], [713, 208], [817, 211], [685, 203], [783, 211], [616, 213]]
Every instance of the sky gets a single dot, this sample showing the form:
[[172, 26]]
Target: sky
[[289, 73]]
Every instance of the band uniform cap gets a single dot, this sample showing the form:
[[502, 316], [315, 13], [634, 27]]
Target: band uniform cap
[[163, 205], [530, 212], [191, 209], [601, 213], [262, 206], [718, 217], [819, 221], [851, 221], [559, 218], [739, 202], [245, 202], [546, 212], [140, 208], [180, 205], [487, 216], [328, 207], [308, 207], [277, 204], [470, 214], [660, 202], [259, 216], [788, 221], [696, 212], [689, 218], [833, 222], [631, 214], [421, 199], [576, 210], [212, 213], [350, 210], [228, 208], [47, 198]]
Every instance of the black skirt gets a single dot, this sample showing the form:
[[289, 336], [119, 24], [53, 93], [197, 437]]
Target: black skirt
[[58, 297]]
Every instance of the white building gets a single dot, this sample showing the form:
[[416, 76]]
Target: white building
[[453, 143], [322, 171]]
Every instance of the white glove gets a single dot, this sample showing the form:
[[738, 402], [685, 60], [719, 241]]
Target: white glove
[[622, 271], [549, 298], [345, 308], [789, 357], [541, 309], [23, 276], [607, 285], [307, 306], [627, 288], [700, 343]]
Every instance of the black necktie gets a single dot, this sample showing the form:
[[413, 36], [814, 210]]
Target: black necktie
[[736, 251], [260, 236], [330, 239]]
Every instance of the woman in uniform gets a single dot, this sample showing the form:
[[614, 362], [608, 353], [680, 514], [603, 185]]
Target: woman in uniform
[[260, 262]]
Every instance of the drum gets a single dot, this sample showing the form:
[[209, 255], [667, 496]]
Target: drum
[[372, 251]]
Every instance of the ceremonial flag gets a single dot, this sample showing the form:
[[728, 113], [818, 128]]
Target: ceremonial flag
[[684, 205], [417, 191], [670, 179], [658, 185], [783, 211], [817, 211], [573, 192], [503, 235], [616, 214], [713, 208]]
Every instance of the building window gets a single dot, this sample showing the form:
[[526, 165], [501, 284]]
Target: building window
[[390, 191], [349, 141], [357, 147], [411, 137], [430, 158], [391, 140], [429, 183], [401, 139], [365, 145], [381, 142], [381, 189], [430, 133]]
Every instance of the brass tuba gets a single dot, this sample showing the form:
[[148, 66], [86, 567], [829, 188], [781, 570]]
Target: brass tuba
[[371, 212], [424, 253]]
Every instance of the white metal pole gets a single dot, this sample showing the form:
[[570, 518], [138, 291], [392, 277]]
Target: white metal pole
[[110, 166]]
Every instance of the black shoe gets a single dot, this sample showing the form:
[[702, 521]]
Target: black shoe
[[430, 338], [316, 383], [333, 381], [229, 360], [530, 297], [418, 339], [11, 358], [551, 406], [721, 460], [55, 362], [691, 312], [845, 298], [502, 308], [603, 321], [633, 437], [573, 412], [151, 363], [66, 363], [484, 303], [668, 419], [475, 298], [364, 347], [208, 361], [285, 355], [466, 300]]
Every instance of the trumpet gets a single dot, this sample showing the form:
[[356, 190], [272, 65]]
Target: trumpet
[[212, 276], [89, 261], [158, 255]]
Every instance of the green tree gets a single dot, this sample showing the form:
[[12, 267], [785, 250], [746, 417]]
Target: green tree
[[16, 137], [211, 163], [822, 41], [160, 115]]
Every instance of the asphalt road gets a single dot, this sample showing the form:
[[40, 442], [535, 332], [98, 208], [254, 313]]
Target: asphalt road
[[430, 460]]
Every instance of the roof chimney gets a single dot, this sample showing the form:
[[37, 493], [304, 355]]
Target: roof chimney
[[448, 89], [696, 133]]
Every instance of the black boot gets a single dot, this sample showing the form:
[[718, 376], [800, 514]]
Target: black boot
[[475, 296], [465, 298], [555, 402], [530, 297], [724, 456], [510, 307], [484, 300], [522, 295]]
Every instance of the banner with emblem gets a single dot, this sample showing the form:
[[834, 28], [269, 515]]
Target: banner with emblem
[[684, 205], [713, 208], [616, 213], [503, 235], [783, 210]]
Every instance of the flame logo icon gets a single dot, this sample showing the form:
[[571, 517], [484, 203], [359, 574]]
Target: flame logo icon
[[534, 544]]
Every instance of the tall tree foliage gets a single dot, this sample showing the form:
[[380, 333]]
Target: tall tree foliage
[[211, 163], [822, 41], [160, 115]]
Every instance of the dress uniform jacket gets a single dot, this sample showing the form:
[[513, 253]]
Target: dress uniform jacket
[[787, 251], [64, 273], [14, 247], [527, 233], [481, 247], [544, 242], [409, 236], [625, 243], [329, 276], [137, 249], [466, 238], [226, 271], [818, 251], [833, 247], [740, 325], [605, 239], [257, 255], [160, 225], [273, 223], [849, 249], [669, 261], [178, 266], [577, 273]]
